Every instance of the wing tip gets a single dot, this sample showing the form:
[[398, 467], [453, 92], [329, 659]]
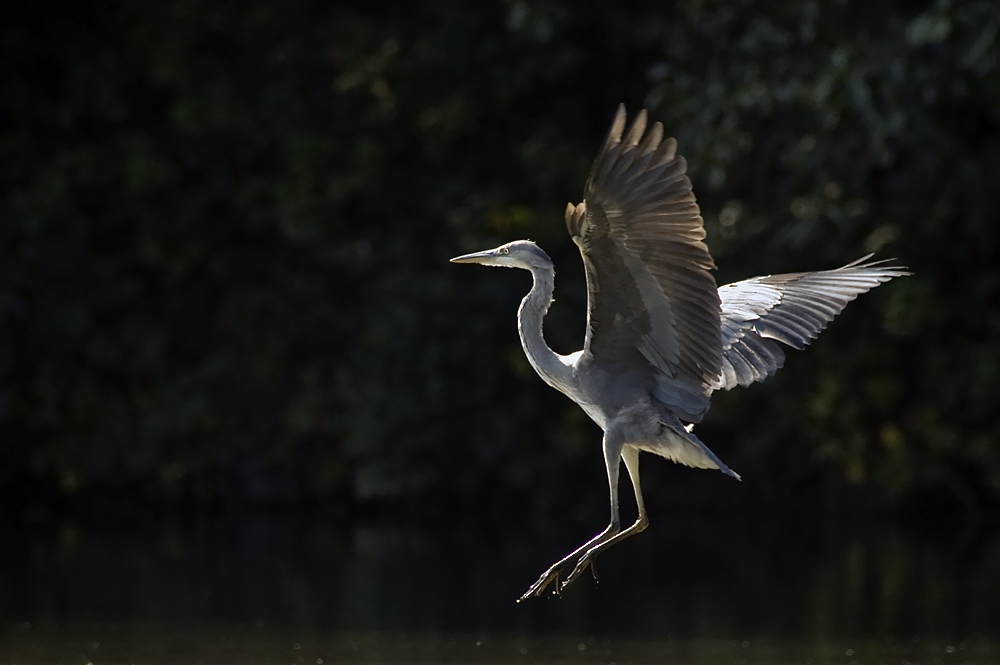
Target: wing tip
[[637, 129], [617, 126], [878, 264]]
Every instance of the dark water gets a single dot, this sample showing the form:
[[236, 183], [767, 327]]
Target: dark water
[[278, 590]]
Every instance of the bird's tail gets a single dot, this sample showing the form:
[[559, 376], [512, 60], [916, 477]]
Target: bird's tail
[[679, 444]]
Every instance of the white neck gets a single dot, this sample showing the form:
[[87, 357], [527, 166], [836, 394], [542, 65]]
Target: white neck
[[547, 363]]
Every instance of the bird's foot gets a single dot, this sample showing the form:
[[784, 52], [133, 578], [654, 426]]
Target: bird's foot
[[588, 560], [538, 588]]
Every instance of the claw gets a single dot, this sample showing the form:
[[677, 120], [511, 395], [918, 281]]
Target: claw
[[586, 561], [536, 589]]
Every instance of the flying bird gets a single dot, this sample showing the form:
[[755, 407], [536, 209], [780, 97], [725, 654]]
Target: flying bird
[[661, 337]]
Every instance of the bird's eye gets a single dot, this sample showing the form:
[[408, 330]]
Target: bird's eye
[[505, 251]]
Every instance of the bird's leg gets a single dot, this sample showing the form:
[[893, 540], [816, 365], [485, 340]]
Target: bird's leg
[[612, 456], [631, 457]]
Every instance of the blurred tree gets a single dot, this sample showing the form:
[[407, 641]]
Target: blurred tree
[[225, 231]]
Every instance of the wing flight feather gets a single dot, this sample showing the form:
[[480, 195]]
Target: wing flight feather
[[652, 301], [792, 309], [653, 305]]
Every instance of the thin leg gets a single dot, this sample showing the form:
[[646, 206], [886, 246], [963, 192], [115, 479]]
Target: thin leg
[[631, 457], [612, 456]]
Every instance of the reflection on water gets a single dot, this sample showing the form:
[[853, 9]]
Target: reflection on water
[[696, 591], [248, 644]]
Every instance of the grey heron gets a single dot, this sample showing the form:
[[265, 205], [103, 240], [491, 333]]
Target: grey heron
[[660, 336]]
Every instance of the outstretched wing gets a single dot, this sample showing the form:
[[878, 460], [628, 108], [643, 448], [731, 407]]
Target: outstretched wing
[[791, 308], [653, 304]]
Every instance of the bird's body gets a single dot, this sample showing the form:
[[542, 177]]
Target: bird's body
[[608, 390], [661, 337]]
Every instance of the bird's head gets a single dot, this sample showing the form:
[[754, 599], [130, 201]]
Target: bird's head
[[522, 254]]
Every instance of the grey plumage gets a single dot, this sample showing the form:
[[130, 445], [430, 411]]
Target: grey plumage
[[639, 228], [792, 309], [660, 336]]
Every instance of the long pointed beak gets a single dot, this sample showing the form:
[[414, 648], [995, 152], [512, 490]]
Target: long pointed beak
[[475, 257]]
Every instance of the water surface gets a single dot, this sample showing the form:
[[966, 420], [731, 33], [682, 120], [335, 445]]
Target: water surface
[[279, 590]]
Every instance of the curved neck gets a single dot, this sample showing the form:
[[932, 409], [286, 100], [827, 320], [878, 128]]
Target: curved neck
[[546, 362]]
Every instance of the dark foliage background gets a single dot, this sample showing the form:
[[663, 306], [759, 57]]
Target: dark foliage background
[[224, 233]]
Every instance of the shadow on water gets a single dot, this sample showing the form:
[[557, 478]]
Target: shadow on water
[[694, 590]]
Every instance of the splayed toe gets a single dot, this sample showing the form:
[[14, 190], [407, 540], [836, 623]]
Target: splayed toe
[[538, 588]]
